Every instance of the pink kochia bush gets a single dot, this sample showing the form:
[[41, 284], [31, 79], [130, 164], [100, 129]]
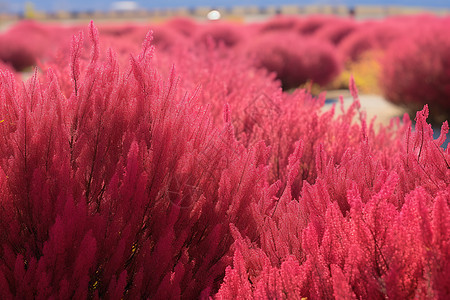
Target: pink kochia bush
[[416, 68], [366, 228], [124, 185], [120, 188], [27, 43], [294, 59], [227, 34]]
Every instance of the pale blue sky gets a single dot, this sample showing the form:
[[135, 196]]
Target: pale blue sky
[[104, 5]]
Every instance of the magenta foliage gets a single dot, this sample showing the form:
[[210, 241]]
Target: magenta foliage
[[130, 34], [354, 45], [118, 184], [16, 54], [166, 38], [336, 31], [382, 238], [227, 34], [415, 70], [184, 25], [372, 36], [314, 23], [18, 44], [294, 59], [260, 111], [281, 23], [26, 43], [120, 189], [7, 67]]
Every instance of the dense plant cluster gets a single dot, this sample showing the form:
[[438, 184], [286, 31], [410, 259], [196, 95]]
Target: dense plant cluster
[[416, 68], [120, 179], [26, 43], [301, 56], [296, 49], [294, 60]]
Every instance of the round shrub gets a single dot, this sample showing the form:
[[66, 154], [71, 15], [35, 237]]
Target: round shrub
[[281, 22], [294, 59], [336, 32], [121, 36], [371, 36], [166, 38], [22, 44], [385, 33], [117, 30], [28, 42], [219, 33], [183, 25], [16, 53], [354, 45], [416, 69], [312, 24]]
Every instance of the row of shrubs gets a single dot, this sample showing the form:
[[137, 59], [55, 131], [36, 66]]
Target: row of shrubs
[[121, 179], [298, 50]]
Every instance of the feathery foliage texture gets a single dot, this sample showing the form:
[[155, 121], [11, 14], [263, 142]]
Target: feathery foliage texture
[[115, 180], [123, 180]]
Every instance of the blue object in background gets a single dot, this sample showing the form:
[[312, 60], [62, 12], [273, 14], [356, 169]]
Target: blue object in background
[[437, 132]]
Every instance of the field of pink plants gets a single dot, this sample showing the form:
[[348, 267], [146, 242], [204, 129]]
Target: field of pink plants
[[185, 162]]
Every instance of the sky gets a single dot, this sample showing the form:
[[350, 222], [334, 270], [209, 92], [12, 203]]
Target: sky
[[105, 5]]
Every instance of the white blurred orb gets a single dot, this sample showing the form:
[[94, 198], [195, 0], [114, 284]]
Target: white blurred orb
[[213, 15]]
